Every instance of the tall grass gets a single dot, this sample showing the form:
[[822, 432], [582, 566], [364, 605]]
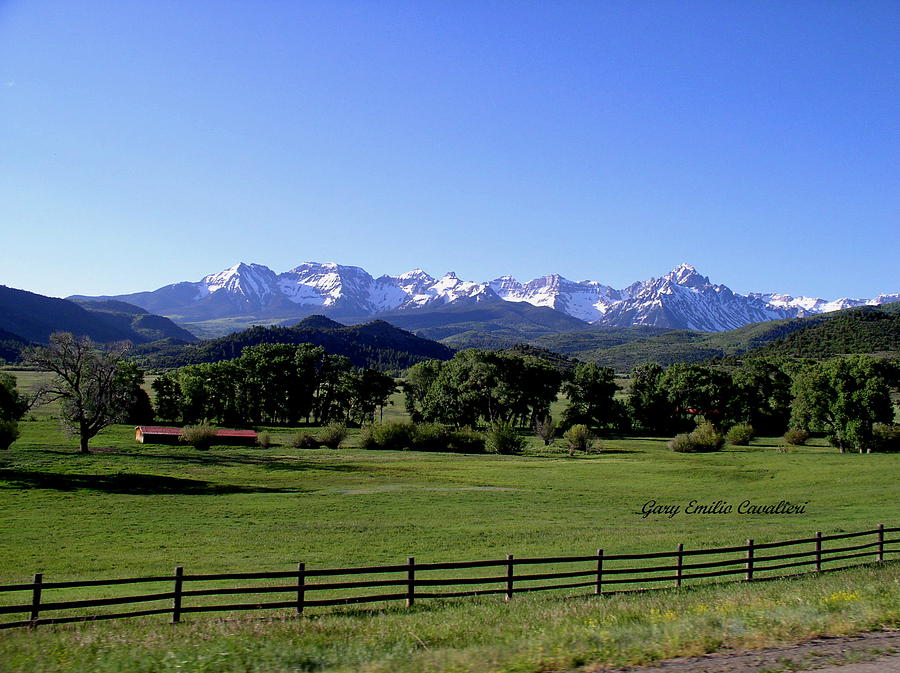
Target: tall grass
[[531, 634]]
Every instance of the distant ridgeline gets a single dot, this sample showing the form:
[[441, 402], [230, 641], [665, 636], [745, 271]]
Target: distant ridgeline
[[27, 318], [376, 345], [864, 330], [871, 330]]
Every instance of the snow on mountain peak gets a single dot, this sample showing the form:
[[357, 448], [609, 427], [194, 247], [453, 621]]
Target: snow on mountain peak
[[682, 298]]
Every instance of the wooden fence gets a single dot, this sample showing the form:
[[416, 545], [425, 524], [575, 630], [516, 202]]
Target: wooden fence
[[304, 587]]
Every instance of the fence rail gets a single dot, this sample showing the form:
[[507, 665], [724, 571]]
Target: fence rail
[[407, 581]]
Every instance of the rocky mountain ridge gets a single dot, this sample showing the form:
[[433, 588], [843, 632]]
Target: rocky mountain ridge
[[682, 298]]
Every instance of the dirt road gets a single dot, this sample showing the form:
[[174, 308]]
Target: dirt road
[[876, 652]]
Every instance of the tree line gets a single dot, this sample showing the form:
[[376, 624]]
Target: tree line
[[290, 384], [844, 398], [273, 384]]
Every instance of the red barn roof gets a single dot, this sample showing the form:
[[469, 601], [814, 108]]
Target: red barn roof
[[162, 430], [158, 430]]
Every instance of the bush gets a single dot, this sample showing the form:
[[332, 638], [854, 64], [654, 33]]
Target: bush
[[333, 435], [264, 440], [887, 438], [304, 440], [199, 436], [9, 432], [740, 434], [367, 437], [503, 439], [545, 430], [421, 437], [431, 437], [703, 439], [796, 436], [394, 435], [578, 437], [466, 440]]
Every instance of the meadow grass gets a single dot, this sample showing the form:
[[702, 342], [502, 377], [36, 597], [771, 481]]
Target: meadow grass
[[532, 634], [131, 509]]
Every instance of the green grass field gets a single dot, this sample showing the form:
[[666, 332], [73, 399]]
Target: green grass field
[[130, 509]]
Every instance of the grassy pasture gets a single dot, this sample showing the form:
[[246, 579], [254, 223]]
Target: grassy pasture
[[130, 509]]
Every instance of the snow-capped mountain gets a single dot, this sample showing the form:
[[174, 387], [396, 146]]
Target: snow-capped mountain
[[586, 300], [814, 305], [687, 300], [683, 298]]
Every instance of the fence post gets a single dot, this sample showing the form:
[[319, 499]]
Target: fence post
[[880, 556], [818, 551], [509, 577], [749, 577], [301, 587], [36, 598], [599, 588], [680, 560], [411, 581], [176, 600]]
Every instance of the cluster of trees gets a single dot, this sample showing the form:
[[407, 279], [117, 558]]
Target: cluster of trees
[[273, 384], [845, 398], [477, 386], [670, 400]]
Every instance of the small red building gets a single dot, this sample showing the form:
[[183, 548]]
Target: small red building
[[153, 434]]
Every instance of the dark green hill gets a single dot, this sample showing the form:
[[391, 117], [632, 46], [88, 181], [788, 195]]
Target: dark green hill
[[376, 344], [35, 317], [11, 346], [873, 330], [147, 326], [563, 363], [477, 323]]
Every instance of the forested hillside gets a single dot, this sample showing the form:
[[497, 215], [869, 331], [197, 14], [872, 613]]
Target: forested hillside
[[376, 345]]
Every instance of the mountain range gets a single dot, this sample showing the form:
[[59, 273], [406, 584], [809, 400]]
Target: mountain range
[[680, 299]]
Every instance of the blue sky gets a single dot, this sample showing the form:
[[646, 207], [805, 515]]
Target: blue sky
[[143, 143]]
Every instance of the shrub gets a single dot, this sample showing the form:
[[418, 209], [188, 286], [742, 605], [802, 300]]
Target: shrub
[[578, 437], [304, 440], [887, 437], [431, 437], [333, 435], [466, 440], [9, 432], [264, 440], [545, 430], [502, 438], [740, 434], [704, 438], [199, 436], [393, 435], [421, 437], [796, 436], [367, 437]]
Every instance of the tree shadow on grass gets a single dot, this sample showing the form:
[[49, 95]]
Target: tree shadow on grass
[[130, 484], [212, 458]]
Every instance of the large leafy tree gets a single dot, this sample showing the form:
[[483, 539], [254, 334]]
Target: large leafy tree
[[696, 392], [477, 385], [844, 397], [88, 382], [13, 406], [762, 395], [369, 390], [648, 403], [591, 393]]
